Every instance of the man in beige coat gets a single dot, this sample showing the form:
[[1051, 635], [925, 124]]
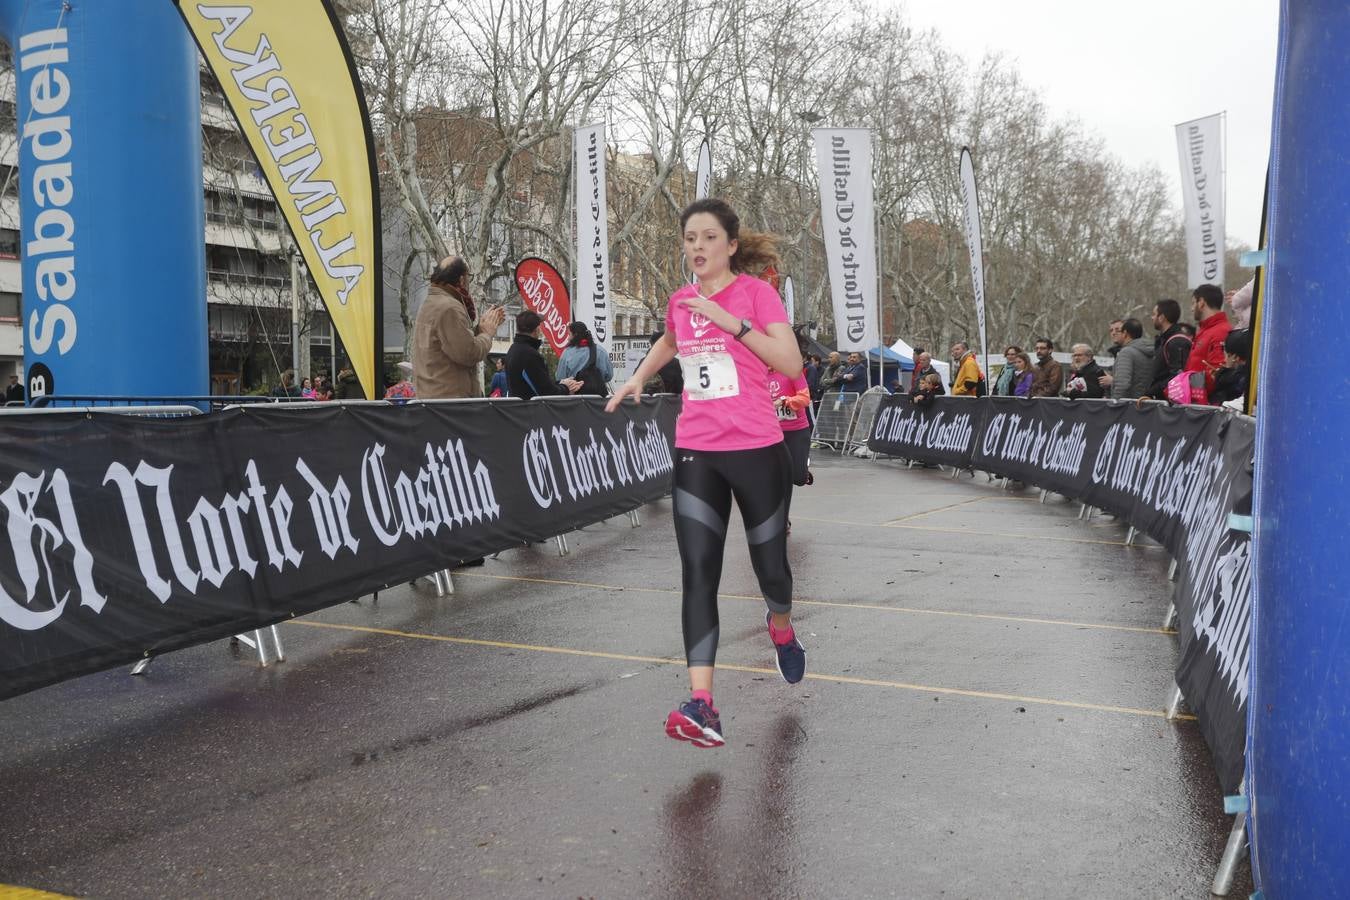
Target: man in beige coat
[[447, 347]]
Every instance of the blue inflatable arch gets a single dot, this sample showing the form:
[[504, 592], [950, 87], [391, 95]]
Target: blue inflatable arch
[[110, 187]]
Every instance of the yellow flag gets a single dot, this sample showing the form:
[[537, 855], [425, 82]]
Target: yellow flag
[[288, 76]]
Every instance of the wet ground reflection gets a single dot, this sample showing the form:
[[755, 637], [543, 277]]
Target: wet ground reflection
[[725, 839]]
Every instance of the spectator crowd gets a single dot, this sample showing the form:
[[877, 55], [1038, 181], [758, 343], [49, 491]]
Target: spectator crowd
[[1205, 359]]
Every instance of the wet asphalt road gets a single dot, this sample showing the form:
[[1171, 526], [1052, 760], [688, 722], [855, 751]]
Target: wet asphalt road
[[979, 722]]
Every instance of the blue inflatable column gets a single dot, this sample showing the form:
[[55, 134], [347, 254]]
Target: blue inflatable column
[[1299, 751], [110, 186]]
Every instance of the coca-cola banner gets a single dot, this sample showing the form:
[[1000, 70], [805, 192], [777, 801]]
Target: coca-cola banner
[[1175, 473], [125, 536], [544, 291]]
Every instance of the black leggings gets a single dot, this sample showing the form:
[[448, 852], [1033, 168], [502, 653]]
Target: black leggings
[[798, 443], [705, 482]]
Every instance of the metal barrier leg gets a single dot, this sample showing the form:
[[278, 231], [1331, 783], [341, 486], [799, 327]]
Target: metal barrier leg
[[634, 519], [1170, 616], [255, 643], [439, 585], [1129, 535], [141, 666], [449, 583], [562, 545], [1172, 570], [276, 642], [1174, 702], [1082, 510], [1043, 494], [1232, 854]]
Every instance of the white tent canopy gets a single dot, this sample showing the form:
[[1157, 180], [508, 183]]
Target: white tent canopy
[[944, 369]]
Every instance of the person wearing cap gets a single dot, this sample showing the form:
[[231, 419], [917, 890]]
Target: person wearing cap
[[447, 345], [404, 390]]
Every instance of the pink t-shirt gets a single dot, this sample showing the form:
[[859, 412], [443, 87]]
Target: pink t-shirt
[[726, 386], [782, 386]]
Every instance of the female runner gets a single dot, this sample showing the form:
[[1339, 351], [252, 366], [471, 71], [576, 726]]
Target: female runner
[[791, 399], [726, 328]]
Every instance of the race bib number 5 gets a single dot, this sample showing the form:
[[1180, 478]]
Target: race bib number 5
[[710, 376]]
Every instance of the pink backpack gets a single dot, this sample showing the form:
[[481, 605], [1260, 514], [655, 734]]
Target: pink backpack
[[1187, 388]]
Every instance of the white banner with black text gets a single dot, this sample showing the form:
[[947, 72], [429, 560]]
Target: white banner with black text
[[591, 300], [1200, 151], [128, 536], [847, 222], [971, 203]]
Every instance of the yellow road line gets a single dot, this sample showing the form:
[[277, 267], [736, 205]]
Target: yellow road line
[[12, 892], [973, 532], [895, 609], [929, 512], [753, 670]]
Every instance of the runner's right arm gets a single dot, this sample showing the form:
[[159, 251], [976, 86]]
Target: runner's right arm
[[662, 352]]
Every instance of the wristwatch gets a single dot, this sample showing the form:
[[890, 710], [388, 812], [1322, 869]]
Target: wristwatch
[[745, 329]]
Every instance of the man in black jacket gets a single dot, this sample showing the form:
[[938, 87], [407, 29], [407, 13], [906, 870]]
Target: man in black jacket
[[526, 373], [1085, 377], [1171, 349]]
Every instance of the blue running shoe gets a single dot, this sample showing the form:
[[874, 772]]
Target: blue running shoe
[[696, 722], [790, 657]]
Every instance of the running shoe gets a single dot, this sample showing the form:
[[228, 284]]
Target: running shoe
[[696, 722], [790, 657]]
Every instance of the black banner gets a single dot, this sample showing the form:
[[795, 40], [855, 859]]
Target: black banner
[[126, 536], [1175, 473]]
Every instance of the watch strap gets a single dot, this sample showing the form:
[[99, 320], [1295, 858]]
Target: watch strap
[[745, 329]]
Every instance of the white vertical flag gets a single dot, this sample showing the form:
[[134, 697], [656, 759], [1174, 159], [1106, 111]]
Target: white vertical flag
[[789, 299], [844, 156], [971, 201], [590, 302], [1200, 151], [703, 176]]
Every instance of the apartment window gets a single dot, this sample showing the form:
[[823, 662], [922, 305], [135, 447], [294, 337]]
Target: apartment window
[[11, 307], [9, 243]]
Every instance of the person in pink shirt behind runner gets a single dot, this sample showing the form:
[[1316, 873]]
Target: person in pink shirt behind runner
[[791, 402], [726, 328]]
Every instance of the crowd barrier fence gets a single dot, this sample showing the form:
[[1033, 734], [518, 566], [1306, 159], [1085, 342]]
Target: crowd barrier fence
[[150, 534], [1181, 475]]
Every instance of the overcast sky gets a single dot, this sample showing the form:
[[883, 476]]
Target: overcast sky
[[1129, 72]]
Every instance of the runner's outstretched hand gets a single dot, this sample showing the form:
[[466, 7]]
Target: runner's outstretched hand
[[631, 386]]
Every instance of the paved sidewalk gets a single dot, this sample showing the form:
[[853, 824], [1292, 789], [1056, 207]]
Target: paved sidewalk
[[982, 719]]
